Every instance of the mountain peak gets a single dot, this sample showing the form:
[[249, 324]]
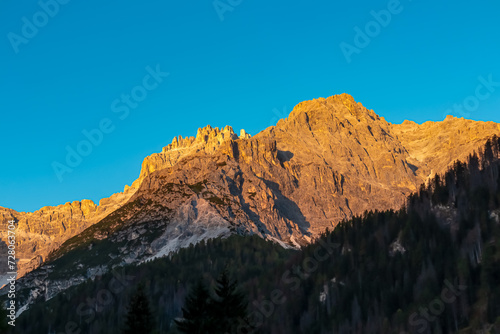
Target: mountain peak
[[342, 106], [208, 139]]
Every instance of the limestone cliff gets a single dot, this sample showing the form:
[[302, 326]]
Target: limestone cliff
[[40, 232], [432, 145], [207, 140]]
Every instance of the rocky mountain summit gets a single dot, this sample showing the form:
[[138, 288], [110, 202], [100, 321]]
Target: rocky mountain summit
[[329, 160], [207, 140]]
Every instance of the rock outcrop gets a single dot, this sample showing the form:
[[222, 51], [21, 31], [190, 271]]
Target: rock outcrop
[[207, 140], [40, 232], [432, 145]]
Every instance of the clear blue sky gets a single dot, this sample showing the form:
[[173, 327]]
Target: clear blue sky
[[244, 71]]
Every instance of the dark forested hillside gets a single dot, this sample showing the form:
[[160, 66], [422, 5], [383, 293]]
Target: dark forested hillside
[[100, 306], [431, 267]]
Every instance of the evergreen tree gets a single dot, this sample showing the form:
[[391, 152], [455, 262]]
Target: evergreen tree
[[229, 304], [197, 312], [139, 318]]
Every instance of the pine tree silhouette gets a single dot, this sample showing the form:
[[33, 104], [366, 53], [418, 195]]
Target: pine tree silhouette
[[229, 304], [217, 314], [139, 318], [197, 313]]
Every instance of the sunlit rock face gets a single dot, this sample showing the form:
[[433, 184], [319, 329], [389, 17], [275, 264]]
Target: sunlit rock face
[[207, 140], [329, 160], [40, 232]]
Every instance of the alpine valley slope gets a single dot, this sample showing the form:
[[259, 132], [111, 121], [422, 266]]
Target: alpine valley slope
[[329, 160]]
